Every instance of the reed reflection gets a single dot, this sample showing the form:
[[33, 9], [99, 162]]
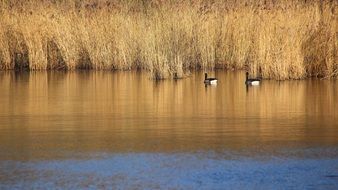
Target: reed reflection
[[44, 112]]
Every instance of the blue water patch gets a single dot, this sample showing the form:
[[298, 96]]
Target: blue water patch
[[203, 170]]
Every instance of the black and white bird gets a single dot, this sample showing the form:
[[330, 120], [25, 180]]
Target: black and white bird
[[207, 80], [253, 82]]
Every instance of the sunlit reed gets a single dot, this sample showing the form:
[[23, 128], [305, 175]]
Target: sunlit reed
[[284, 40]]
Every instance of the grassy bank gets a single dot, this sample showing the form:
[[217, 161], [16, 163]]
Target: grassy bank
[[285, 40]]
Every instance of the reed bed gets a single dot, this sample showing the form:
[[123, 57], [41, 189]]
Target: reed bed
[[284, 40]]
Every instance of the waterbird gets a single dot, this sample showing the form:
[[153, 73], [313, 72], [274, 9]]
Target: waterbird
[[209, 80], [253, 82]]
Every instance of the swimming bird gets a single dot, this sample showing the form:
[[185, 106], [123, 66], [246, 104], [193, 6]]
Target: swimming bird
[[209, 80], [253, 82]]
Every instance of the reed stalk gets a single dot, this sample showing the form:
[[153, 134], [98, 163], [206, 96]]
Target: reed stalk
[[283, 40]]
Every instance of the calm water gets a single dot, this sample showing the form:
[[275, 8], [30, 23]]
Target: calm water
[[124, 130]]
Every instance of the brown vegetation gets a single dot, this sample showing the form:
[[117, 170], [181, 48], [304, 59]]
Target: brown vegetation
[[284, 40]]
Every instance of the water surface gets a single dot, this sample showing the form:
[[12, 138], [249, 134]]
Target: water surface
[[50, 121]]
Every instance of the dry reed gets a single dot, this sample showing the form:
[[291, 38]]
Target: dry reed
[[284, 40]]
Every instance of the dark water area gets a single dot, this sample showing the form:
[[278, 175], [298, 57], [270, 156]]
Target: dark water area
[[99, 130]]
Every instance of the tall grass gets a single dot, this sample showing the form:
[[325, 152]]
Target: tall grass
[[284, 40]]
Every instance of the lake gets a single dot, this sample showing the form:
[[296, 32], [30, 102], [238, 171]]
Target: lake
[[123, 130]]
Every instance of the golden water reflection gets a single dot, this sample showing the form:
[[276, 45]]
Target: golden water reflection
[[45, 114]]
